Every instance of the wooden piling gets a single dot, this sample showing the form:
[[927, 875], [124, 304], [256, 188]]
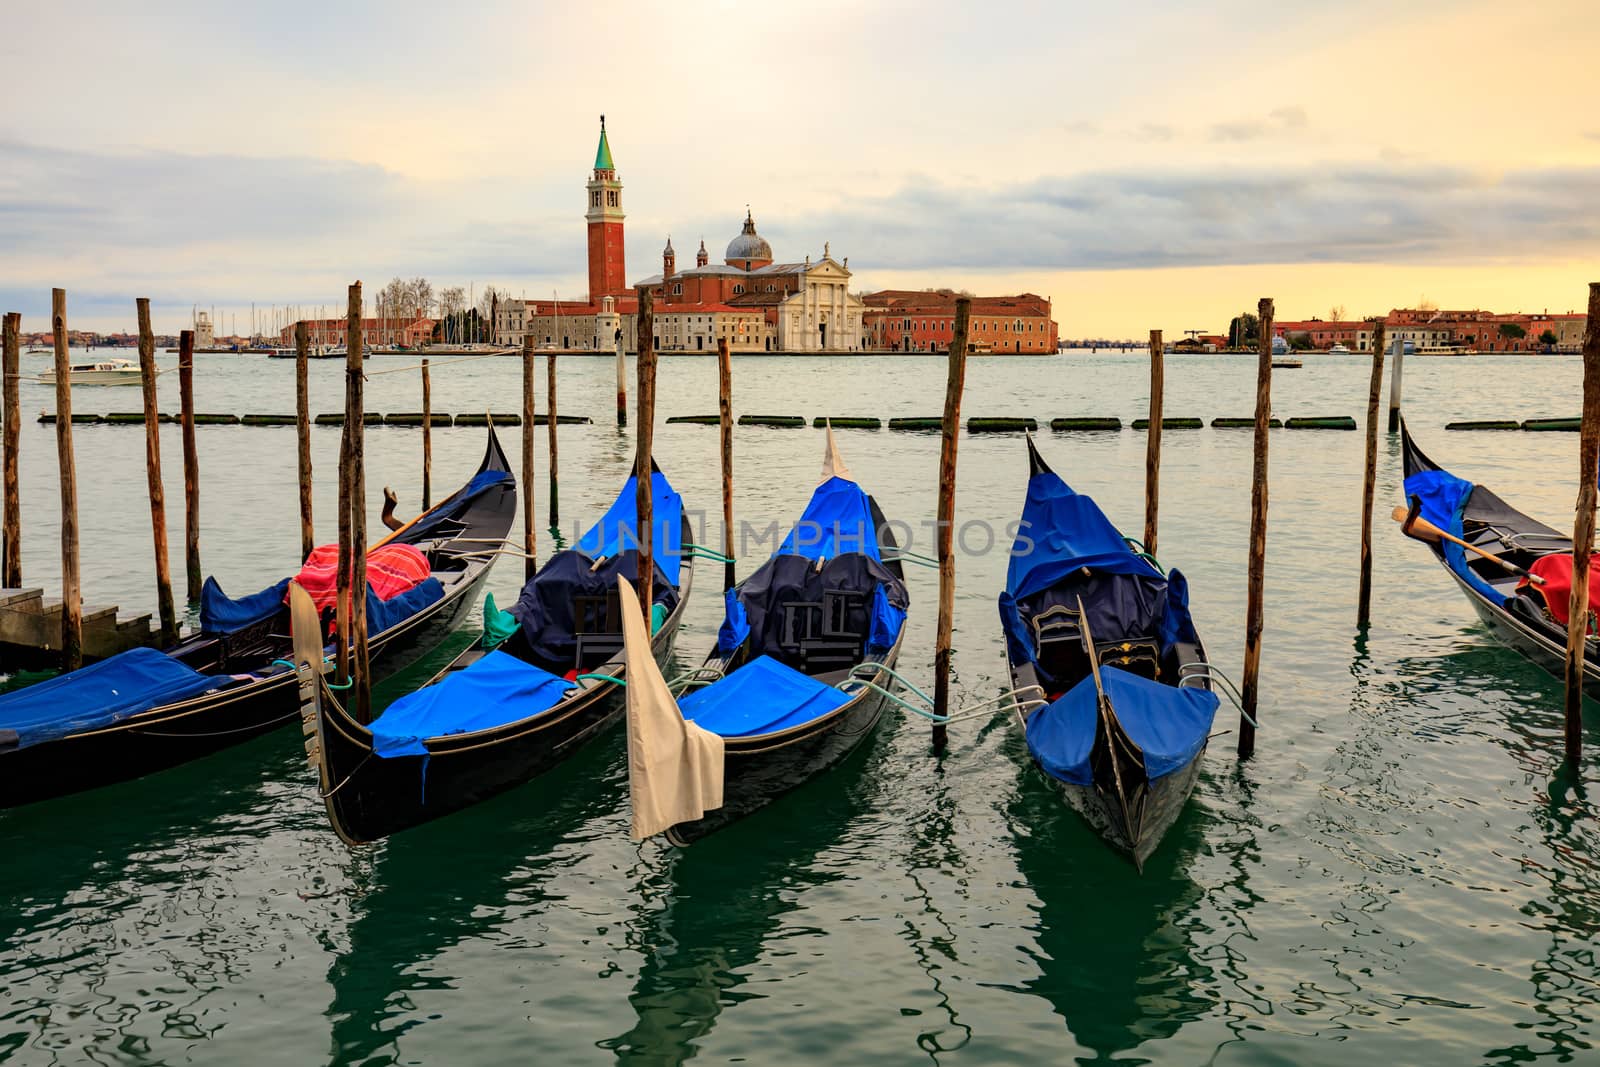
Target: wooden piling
[[191, 465], [530, 565], [949, 436], [725, 416], [10, 437], [427, 439], [1583, 530], [1152, 448], [71, 594], [356, 505], [1369, 480], [550, 403], [302, 423], [622, 384], [1255, 602], [1394, 385], [152, 466], [644, 513]]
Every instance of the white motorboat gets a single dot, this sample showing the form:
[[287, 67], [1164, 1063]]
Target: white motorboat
[[104, 372], [1338, 350]]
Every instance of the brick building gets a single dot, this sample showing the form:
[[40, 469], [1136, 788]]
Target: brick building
[[904, 320]]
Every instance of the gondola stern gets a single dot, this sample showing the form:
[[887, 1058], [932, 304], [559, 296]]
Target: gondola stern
[[1036, 463]]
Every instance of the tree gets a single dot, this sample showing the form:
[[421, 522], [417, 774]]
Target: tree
[[1300, 342], [393, 298], [1425, 304], [1244, 331], [1512, 332], [420, 292], [1336, 313], [1549, 339]]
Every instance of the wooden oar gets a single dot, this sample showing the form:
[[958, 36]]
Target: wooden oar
[[1412, 524]]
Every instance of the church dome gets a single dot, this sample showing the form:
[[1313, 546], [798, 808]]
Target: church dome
[[749, 245]]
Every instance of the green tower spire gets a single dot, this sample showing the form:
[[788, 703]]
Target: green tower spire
[[602, 155]]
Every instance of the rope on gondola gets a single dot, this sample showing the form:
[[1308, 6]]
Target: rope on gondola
[[988, 707], [907, 556], [702, 552], [1210, 672]]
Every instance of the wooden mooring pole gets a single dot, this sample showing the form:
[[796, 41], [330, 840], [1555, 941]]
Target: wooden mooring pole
[[1152, 450], [302, 423], [355, 504], [1369, 481], [191, 465], [1583, 530], [427, 439], [1394, 384], [644, 512], [949, 436], [1255, 606], [152, 466], [550, 426], [529, 565], [622, 384], [725, 420], [11, 432], [71, 594]]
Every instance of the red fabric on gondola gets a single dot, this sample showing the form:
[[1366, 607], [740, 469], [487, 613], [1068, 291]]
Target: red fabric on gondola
[[1556, 570], [392, 569]]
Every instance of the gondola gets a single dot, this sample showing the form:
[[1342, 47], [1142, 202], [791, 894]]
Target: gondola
[[804, 658], [1516, 610], [1103, 637], [507, 711], [145, 710]]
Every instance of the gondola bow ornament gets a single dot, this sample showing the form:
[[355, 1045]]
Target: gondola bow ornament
[[674, 767]]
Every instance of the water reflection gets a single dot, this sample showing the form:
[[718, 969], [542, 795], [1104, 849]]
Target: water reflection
[[715, 907]]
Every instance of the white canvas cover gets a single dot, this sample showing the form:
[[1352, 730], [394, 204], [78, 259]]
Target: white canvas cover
[[674, 767], [833, 463]]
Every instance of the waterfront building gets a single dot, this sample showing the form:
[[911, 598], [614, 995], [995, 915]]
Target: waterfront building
[[408, 330], [906, 320]]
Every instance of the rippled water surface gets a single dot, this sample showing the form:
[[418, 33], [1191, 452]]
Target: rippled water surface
[[1402, 874]]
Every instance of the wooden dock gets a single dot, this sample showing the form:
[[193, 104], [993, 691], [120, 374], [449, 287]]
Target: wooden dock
[[30, 630]]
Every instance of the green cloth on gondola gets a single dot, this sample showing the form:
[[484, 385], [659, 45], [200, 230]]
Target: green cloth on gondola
[[497, 625]]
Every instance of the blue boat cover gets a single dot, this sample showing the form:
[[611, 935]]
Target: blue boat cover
[[99, 695], [382, 614], [1061, 531], [221, 615], [496, 690], [1444, 501], [762, 697], [1169, 725], [837, 520], [617, 531]]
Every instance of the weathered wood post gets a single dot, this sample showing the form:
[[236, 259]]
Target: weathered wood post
[[622, 384], [725, 420], [152, 466], [550, 427], [191, 464], [644, 513], [1255, 605], [427, 439], [1394, 385], [955, 383], [530, 566], [1152, 448], [71, 596], [1583, 529], [302, 424], [11, 432], [1369, 480], [353, 511]]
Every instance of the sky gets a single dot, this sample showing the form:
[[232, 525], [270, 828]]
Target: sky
[[1144, 164]]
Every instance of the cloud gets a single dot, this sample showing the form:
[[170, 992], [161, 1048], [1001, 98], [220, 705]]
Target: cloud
[[1279, 120], [1141, 219]]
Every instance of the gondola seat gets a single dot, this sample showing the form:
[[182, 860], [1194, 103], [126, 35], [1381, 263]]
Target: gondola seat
[[765, 696], [495, 690]]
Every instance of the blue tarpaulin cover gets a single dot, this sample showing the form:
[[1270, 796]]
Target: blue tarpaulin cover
[[762, 697], [496, 690], [99, 695], [382, 614], [219, 614], [617, 531], [1169, 725], [1444, 498], [836, 521]]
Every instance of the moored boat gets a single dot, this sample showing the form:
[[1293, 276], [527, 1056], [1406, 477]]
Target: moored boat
[[103, 372], [1105, 635], [801, 672], [514, 705], [146, 710], [1530, 615]]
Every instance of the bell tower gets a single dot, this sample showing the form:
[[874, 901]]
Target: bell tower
[[607, 272]]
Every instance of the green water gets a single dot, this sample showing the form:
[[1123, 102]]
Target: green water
[[1402, 874]]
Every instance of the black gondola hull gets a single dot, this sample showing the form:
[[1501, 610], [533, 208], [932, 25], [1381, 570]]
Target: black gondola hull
[[1164, 802]]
